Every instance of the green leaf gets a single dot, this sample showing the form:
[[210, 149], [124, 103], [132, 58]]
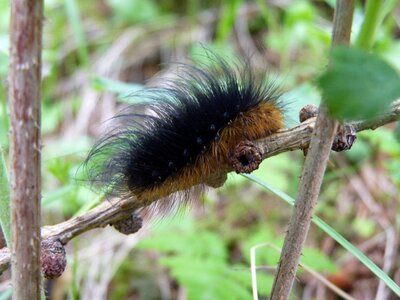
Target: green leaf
[[358, 84]]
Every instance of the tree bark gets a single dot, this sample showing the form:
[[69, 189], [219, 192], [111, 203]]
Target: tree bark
[[24, 99], [313, 172]]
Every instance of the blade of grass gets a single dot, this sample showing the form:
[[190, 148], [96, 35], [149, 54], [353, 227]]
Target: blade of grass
[[227, 19], [4, 200], [79, 33], [336, 236]]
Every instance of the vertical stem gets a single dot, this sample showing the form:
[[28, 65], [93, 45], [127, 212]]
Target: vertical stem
[[313, 172], [366, 37], [24, 99]]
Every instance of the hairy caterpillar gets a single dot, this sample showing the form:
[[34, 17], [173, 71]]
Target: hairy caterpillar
[[184, 138]]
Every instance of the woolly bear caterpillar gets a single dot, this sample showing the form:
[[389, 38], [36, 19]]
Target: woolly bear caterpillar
[[193, 123]]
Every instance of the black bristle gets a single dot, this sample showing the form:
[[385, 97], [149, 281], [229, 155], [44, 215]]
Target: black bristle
[[183, 118]]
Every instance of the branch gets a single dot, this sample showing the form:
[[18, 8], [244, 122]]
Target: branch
[[113, 210], [313, 172], [24, 97]]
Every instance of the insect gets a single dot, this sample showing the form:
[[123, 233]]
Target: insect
[[190, 127]]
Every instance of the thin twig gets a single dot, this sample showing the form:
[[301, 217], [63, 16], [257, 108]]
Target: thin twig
[[113, 210], [313, 172], [24, 97]]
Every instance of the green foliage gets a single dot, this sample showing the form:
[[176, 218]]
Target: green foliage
[[384, 140], [295, 99], [4, 47], [298, 31], [78, 30], [281, 171], [51, 118], [64, 186], [209, 279], [4, 127], [365, 227], [134, 11], [397, 132], [360, 151], [229, 10], [266, 256], [200, 53], [140, 276], [198, 259], [366, 37], [4, 122], [375, 20], [201, 245], [4, 200], [318, 261], [122, 89], [357, 84]]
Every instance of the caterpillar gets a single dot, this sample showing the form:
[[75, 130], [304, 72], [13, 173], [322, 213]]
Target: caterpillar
[[184, 137]]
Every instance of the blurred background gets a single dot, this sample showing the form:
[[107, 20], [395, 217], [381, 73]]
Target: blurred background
[[96, 53]]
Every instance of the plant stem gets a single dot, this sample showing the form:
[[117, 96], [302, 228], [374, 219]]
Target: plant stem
[[25, 159], [313, 172], [366, 36]]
